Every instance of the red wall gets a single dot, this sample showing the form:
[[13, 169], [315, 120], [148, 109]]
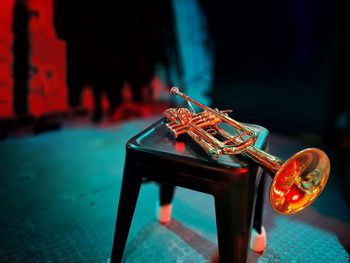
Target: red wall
[[6, 58], [47, 87], [47, 81]]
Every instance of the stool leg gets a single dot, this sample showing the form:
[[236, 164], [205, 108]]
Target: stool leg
[[233, 220], [165, 208], [258, 235], [166, 193], [257, 223], [127, 202]]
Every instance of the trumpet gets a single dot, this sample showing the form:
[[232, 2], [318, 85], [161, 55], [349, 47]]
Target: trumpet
[[296, 183]]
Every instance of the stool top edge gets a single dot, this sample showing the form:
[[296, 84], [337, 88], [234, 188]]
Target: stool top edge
[[156, 140]]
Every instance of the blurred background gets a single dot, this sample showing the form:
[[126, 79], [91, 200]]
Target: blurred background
[[274, 64], [101, 72]]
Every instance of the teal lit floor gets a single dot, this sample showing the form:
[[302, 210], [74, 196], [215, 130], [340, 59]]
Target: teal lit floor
[[59, 193]]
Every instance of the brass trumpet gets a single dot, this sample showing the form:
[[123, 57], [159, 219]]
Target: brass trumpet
[[296, 182]]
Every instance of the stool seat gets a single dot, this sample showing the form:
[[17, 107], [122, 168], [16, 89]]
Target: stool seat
[[233, 181]]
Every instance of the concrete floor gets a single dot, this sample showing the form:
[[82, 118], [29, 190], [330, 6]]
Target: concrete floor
[[59, 194]]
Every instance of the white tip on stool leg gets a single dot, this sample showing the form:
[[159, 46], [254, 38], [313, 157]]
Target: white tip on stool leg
[[258, 241], [164, 213]]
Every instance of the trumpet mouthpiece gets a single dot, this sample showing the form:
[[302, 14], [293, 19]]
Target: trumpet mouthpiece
[[174, 90]]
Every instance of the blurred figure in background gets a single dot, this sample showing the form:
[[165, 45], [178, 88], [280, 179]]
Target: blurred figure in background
[[92, 32], [148, 34], [109, 44]]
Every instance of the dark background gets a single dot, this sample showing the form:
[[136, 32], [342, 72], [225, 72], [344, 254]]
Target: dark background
[[281, 64]]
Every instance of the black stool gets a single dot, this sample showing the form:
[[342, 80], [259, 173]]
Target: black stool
[[234, 181]]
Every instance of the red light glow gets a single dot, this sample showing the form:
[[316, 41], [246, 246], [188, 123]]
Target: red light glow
[[180, 147], [291, 169], [243, 171], [294, 194], [277, 193]]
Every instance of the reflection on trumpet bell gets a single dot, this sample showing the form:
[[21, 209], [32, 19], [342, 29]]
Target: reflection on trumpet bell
[[299, 181], [296, 182]]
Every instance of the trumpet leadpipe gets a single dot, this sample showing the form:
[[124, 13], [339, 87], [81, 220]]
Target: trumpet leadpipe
[[222, 115]]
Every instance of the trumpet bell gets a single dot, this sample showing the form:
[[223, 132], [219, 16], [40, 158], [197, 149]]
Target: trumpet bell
[[299, 181]]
